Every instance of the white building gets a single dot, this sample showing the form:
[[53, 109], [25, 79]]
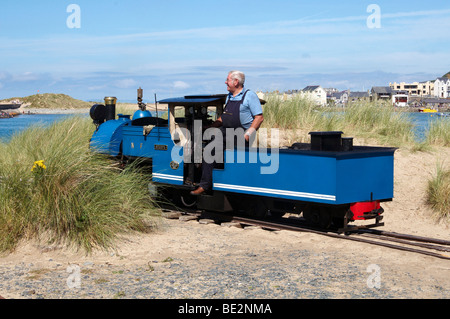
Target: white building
[[316, 93], [339, 98], [442, 87]]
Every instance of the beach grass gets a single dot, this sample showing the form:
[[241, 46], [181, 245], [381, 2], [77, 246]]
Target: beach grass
[[439, 132], [379, 121], [371, 120], [290, 114], [55, 189], [438, 192]]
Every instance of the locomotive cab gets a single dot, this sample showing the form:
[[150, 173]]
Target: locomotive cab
[[188, 117]]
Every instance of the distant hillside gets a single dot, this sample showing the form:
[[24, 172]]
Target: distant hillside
[[51, 101], [446, 75]]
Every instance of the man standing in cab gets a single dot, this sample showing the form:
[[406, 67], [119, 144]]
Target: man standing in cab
[[242, 110]]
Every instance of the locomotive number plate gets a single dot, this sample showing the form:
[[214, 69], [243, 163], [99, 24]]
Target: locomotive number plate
[[159, 147]]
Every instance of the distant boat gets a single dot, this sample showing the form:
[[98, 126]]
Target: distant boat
[[444, 114], [427, 110], [6, 115], [10, 106]]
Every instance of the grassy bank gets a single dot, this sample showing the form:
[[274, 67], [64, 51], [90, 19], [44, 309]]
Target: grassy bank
[[372, 120], [51, 101], [74, 196]]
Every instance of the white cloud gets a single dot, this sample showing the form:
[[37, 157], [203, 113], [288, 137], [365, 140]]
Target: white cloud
[[96, 87], [125, 83], [26, 76], [180, 85]]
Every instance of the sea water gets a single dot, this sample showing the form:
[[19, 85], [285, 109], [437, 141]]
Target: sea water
[[10, 126], [422, 122]]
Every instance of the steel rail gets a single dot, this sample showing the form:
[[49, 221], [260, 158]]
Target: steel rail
[[285, 224], [407, 242], [405, 236], [278, 225]]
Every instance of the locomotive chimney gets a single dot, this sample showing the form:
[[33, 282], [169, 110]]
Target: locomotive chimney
[[110, 103]]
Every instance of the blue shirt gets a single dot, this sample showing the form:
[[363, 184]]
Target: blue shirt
[[249, 109]]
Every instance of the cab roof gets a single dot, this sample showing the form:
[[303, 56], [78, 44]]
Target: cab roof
[[195, 99]]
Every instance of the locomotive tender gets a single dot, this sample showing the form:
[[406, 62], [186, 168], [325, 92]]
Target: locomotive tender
[[329, 181]]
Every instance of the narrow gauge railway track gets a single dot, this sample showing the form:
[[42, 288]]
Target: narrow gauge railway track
[[416, 244]]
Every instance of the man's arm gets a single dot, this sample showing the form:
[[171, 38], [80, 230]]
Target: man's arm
[[217, 123], [257, 121]]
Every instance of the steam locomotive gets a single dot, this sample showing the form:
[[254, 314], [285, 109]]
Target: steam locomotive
[[330, 181]]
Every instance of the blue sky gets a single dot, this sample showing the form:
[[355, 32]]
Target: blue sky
[[176, 47]]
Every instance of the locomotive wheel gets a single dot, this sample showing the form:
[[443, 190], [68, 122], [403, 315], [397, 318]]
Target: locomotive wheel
[[187, 200], [255, 208], [178, 197], [317, 216], [338, 222]]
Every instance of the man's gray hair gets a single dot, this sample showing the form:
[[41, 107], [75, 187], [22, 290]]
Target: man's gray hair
[[238, 75]]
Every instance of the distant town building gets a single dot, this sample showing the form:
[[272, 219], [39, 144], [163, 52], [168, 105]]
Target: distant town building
[[400, 98], [442, 87], [425, 88], [339, 98], [331, 91], [359, 96], [381, 93], [435, 102], [316, 93]]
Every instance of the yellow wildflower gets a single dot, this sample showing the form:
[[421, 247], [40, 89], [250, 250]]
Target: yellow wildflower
[[39, 164]]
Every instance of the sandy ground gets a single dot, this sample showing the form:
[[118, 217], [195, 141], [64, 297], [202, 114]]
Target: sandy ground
[[204, 245]]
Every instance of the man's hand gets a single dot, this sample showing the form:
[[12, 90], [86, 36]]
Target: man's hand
[[257, 121]]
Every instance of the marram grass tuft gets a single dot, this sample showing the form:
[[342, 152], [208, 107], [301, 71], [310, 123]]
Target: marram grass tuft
[[438, 192], [53, 186]]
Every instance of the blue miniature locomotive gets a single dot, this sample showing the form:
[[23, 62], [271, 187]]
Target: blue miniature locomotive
[[329, 181]]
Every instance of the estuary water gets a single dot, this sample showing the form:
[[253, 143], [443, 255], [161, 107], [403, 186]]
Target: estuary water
[[10, 126], [422, 122], [13, 125]]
